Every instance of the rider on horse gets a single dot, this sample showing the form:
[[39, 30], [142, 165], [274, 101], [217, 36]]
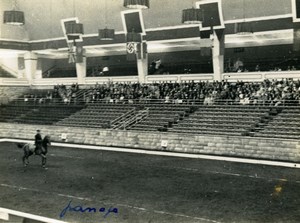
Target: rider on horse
[[38, 141]]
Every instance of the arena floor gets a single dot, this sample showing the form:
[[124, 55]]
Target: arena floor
[[146, 188]]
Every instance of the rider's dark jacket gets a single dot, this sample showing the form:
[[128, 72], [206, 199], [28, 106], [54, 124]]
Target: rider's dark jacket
[[38, 140]]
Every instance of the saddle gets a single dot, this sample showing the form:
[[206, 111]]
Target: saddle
[[31, 147], [36, 150]]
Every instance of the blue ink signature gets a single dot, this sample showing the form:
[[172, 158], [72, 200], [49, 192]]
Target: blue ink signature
[[80, 209]]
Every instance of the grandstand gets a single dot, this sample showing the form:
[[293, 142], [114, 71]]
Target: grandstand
[[197, 111]]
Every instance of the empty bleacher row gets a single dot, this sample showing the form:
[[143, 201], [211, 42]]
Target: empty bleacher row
[[222, 120], [44, 115], [96, 115]]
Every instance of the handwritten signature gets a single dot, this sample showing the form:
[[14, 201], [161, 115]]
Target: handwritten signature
[[80, 209]]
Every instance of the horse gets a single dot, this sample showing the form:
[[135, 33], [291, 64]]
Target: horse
[[29, 148]]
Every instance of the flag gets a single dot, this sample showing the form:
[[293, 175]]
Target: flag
[[131, 50], [141, 50], [79, 54], [71, 53], [296, 43]]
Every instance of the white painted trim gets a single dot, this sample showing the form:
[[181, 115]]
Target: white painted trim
[[62, 38], [29, 216], [105, 45], [276, 37], [46, 40], [174, 40], [197, 4], [294, 12], [260, 76], [141, 19], [169, 154], [14, 82], [96, 34], [14, 40], [286, 31]]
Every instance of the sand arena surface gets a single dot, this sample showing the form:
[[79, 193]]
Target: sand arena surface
[[146, 188]]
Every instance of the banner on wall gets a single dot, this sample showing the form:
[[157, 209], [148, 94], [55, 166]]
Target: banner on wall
[[71, 53], [131, 50], [79, 54], [296, 43], [141, 50]]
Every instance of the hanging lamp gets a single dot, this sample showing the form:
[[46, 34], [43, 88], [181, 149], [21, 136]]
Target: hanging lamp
[[243, 28], [192, 16], [106, 34], [14, 16], [74, 29], [136, 4]]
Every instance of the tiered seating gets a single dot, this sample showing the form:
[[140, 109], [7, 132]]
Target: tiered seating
[[47, 114], [162, 116], [285, 125], [36, 114], [98, 115], [222, 120], [10, 93], [10, 113]]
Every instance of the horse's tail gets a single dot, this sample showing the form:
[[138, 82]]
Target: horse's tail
[[20, 145]]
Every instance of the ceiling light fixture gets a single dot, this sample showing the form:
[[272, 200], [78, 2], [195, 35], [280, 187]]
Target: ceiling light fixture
[[136, 4]]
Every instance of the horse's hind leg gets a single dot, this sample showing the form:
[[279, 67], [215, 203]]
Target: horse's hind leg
[[25, 160]]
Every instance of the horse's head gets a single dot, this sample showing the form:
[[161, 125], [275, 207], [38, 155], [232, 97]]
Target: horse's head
[[47, 140]]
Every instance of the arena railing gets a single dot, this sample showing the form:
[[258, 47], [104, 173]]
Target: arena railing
[[81, 102]]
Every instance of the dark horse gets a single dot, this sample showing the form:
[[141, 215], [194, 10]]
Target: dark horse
[[40, 151]]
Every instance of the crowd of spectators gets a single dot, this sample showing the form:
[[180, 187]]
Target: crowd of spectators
[[68, 95], [239, 66], [269, 92], [60, 94]]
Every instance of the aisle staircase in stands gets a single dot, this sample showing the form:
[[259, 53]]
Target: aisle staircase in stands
[[286, 124], [163, 116], [132, 117]]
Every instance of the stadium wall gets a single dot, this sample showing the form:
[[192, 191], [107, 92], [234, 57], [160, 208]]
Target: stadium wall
[[246, 147]]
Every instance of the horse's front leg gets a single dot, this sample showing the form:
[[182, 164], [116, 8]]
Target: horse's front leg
[[44, 160], [24, 160]]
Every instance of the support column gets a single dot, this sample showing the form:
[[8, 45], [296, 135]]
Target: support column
[[142, 65], [81, 71], [21, 67], [30, 61], [218, 49]]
